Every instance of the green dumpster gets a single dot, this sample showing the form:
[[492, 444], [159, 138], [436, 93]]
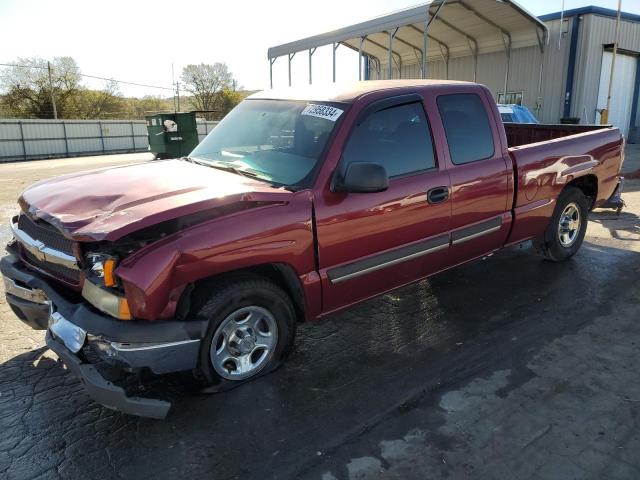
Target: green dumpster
[[172, 135]]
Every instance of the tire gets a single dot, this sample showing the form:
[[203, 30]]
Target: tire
[[561, 242], [244, 313]]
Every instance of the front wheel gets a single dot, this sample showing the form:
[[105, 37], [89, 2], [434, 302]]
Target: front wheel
[[566, 230], [251, 328]]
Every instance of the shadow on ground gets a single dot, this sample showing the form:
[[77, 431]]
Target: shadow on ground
[[348, 373]]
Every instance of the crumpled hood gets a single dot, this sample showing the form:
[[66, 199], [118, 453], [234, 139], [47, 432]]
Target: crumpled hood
[[109, 203]]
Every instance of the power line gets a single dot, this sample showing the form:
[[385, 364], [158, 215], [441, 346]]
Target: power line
[[91, 76]]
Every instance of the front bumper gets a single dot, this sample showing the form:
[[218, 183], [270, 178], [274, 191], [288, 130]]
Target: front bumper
[[102, 390], [160, 346]]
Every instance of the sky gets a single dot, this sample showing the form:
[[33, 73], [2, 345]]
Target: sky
[[140, 40]]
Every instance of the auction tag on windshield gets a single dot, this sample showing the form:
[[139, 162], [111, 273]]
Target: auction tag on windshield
[[322, 111]]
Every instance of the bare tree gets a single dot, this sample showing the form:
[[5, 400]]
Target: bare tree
[[28, 89], [205, 82]]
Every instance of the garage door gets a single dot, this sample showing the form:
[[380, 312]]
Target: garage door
[[624, 76]]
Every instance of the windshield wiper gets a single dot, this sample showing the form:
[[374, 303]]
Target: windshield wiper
[[193, 160], [237, 171], [226, 167]]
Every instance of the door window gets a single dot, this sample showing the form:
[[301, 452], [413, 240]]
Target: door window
[[397, 138], [466, 126]]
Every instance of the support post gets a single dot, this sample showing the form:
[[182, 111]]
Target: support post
[[542, 41], [425, 45], [362, 39], [311, 52], [290, 57], [507, 49], [53, 97], [473, 46], [391, 37], [24, 145], [271, 60], [445, 59], [335, 47], [66, 139], [613, 60], [101, 135], [178, 94]]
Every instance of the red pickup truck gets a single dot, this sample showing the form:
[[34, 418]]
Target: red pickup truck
[[299, 204]]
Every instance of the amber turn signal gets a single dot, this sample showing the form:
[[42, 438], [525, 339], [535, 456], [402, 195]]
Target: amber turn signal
[[123, 309], [109, 278]]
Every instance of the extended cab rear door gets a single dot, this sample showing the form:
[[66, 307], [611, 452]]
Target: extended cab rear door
[[372, 242], [480, 171]]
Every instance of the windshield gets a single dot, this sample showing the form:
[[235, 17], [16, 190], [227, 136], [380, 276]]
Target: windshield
[[272, 140]]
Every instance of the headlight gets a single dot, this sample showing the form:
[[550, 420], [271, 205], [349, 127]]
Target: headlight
[[102, 267]]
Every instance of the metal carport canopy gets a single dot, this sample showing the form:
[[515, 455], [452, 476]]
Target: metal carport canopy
[[454, 28]]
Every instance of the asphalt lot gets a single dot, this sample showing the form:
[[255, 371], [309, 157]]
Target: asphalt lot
[[509, 367]]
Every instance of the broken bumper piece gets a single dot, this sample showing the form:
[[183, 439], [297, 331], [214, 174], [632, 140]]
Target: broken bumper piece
[[102, 390]]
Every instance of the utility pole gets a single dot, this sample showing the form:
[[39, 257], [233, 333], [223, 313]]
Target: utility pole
[[604, 118], [173, 83], [53, 97], [178, 94]]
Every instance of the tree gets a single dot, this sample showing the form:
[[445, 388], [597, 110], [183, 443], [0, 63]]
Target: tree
[[205, 82], [28, 89], [139, 107], [227, 100], [105, 103]]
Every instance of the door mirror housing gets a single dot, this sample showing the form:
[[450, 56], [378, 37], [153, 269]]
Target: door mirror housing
[[362, 177]]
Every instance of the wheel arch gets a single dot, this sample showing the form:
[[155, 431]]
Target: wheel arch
[[588, 184], [281, 274]]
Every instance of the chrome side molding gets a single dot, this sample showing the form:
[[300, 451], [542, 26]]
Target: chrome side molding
[[475, 235]]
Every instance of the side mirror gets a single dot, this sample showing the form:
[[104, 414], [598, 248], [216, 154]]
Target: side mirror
[[362, 177]]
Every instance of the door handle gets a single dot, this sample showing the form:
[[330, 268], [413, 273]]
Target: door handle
[[438, 195]]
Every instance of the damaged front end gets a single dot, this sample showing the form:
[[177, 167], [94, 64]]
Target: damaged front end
[[71, 289], [97, 347]]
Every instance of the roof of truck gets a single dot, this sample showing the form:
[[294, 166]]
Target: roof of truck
[[347, 92]]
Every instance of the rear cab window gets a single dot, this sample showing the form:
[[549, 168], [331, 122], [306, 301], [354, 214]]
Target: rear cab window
[[397, 137], [467, 128]]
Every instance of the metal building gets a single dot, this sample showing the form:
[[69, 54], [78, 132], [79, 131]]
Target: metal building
[[558, 65]]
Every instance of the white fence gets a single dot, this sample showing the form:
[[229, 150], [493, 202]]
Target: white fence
[[204, 127], [38, 139]]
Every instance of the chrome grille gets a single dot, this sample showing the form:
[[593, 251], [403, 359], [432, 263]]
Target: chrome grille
[[46, 249], [69, 275], [45, 233]]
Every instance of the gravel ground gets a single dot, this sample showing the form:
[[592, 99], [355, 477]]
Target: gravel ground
[[509, 367]]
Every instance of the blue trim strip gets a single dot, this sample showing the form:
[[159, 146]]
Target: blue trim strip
[[366, 67], [571, 68], [636, 94], [606, 12]]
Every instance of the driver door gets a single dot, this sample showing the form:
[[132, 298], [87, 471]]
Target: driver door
[[372, 242]]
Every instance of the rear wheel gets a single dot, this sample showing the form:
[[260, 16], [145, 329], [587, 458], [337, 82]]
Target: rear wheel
[[566, 230], [251, 328]]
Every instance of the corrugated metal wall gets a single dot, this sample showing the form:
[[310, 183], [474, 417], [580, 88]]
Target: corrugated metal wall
[[37, 139], [204, 128], [597, 31], [554, 77], [524, 72]]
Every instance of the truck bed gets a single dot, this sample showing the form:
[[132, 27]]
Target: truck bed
[[547, 157], [524, 133]]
